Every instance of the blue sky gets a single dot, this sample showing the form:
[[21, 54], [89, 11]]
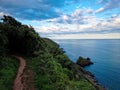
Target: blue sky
[[67, 19]]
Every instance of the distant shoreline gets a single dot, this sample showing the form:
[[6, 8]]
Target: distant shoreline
[[86, 39]]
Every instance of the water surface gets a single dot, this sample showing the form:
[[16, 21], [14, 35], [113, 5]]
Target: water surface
[[104, 53]]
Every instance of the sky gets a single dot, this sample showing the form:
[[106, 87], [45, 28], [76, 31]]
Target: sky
[[67, 19]]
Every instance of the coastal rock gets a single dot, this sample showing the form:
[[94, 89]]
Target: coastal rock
[[84, 61], [90, 74]]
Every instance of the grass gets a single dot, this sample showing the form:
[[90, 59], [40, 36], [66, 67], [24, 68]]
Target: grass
[[8, 70], [50, 75]]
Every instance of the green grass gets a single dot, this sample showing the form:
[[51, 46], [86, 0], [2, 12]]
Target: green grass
[[50, 75], [8, 70], [83, 84]]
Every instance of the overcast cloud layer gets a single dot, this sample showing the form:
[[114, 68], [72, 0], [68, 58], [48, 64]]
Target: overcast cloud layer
[[67, 18]]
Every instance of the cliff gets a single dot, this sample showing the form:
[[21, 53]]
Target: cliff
[[46, 63]]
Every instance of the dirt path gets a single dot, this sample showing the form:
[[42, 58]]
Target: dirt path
[[18, 85]]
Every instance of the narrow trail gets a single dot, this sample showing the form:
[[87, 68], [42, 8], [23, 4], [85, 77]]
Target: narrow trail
[[18, 85]]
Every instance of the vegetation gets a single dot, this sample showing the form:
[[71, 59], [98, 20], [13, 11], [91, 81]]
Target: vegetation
[[18, 38], [53, 69], [8, 70]]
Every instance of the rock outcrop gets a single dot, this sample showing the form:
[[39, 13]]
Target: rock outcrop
[[84, 61]]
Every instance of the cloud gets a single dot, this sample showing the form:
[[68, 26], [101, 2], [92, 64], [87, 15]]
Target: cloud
[[37, 9], [32, 9], [78, 16], [86, 36], [80, 23], [109, 4], [64, 17], [100, 10], [1, 14]]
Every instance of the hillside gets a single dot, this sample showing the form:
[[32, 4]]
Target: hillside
[[47, 66]]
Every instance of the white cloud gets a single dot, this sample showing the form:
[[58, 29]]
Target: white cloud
[[77, 13], [86, 36], [111, 4], [80, 23], [2, 13], [89, 11], [65, 17], [100, 10]]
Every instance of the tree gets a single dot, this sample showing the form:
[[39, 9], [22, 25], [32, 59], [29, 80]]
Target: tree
[[11, 21], [3, 43], [22, 39]]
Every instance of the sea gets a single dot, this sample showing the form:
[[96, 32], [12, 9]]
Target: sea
[[104, 53]]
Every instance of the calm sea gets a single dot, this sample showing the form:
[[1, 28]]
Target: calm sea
[[104, 53]]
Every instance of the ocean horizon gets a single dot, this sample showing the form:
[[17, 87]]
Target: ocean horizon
[[104, 53]]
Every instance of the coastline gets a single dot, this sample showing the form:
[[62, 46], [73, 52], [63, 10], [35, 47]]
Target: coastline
[[83, 62], [104, 53], [91, 78]]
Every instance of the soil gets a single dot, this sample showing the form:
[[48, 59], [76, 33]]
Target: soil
[[25, 77]]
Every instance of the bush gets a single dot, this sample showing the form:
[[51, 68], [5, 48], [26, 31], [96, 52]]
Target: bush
[[8, 70], [18, 38]]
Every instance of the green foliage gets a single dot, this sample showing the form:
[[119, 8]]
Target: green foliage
[[3, 43], [11, 21], [8, 70], [81, 85], [52, 75], [53, 47], [53, 69], [63, 60], [18, 38], [49, 74]]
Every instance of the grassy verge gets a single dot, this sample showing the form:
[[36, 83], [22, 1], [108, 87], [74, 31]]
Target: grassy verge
[[50, 75], [8, 70]]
